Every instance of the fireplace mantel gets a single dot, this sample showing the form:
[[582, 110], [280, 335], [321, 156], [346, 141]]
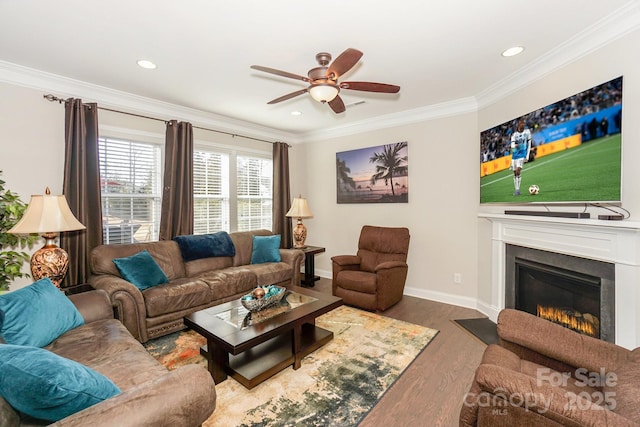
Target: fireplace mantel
[[617, 242]]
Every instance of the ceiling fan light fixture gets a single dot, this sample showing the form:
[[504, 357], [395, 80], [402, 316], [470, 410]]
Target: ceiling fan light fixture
[[323, 92]]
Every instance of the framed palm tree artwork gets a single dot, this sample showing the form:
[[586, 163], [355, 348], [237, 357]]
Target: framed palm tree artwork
[[373, 175]]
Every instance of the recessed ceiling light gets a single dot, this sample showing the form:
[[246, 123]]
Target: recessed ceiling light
[[513, 51], [296, 113], [147, 64]]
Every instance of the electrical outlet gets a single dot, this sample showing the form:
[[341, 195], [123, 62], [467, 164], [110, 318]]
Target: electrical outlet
[[457, 278]]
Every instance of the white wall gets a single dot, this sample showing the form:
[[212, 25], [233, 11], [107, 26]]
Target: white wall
[[32, 145], [440, 215], [31, 148]]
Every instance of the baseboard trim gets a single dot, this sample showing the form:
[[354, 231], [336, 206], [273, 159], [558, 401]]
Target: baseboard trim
[[443, 297], [490, 311]]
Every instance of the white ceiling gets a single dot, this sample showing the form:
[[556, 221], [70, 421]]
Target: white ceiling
[[438, 52]]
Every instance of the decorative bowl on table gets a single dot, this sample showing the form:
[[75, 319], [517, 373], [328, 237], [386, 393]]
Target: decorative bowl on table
[[263, 297]]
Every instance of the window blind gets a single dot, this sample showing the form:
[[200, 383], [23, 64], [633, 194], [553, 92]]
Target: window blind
[[254, 192], [130, 185], [211, 192]]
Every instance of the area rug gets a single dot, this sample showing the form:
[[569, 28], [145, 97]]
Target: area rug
[[337, 385], [483, 329]]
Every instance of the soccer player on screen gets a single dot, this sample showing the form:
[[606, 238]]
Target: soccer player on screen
[[520, 147]]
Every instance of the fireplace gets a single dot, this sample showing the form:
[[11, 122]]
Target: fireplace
[[611, 242], [575, 292]]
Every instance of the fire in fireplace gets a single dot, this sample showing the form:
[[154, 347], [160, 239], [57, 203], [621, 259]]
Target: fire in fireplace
[[585, 323], [574, 292]]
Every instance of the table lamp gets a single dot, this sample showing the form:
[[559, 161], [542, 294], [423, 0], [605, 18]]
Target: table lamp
[[48, 215], [299, 209]]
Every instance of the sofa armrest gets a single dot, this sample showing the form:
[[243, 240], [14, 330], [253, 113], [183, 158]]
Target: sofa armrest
[[556, 342], [391, 264], [127, 301], [340, 263], [294, 258], [93, 305], [391, 279], [346, 260], [183, 397], [509, 387]]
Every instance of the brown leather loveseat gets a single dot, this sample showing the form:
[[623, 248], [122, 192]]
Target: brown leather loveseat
[[192, 285], [150, 394]]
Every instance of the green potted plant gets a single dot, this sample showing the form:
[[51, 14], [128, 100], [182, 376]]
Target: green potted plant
[[11, 260]]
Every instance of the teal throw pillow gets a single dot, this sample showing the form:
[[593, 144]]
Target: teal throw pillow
[[266, 249], [37, 314], [141, 270], [43, 385]]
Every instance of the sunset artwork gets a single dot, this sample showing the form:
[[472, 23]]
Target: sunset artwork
[[373, 175]]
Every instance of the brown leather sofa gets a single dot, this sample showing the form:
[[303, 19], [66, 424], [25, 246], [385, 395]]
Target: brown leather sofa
[[193, 285], [374, 278], [151, 395], [543, 374]]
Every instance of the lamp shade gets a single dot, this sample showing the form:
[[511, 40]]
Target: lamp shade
[[323, 92], [299, 209], [47, 214]]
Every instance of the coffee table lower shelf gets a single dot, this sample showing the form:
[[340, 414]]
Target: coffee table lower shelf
[[261, 362]]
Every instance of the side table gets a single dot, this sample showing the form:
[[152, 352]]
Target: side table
[[76, 289], [309, 277]]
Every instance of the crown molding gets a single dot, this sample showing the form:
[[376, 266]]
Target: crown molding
[[402, 118], [610, 28], [110, 98]]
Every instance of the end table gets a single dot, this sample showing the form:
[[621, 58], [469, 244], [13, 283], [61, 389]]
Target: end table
[[76, 289], [309, 278]]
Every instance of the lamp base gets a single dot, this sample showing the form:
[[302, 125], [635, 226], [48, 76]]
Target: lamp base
[[50, 261], [299, 235]]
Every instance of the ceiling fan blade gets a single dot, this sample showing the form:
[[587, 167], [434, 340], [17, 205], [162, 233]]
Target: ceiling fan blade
[[280, 73], [288, 96], [337, 105], [370, 87], [344, 62]]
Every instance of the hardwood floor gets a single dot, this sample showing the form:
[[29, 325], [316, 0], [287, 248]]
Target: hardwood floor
[[430, 392]]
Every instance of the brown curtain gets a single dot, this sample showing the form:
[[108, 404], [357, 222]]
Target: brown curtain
[[81, 186], [176, 217], [281, 194]]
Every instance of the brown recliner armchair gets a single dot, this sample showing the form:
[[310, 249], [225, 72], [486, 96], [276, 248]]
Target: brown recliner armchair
[[543, 374], [374, 278]]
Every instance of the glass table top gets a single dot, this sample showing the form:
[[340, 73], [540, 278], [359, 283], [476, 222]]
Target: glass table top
[[241, 318]]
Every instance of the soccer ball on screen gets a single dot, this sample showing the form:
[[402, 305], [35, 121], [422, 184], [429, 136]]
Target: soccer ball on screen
[[534, 189]]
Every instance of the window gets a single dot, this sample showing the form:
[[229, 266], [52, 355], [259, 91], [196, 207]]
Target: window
[[232, 191], [211, 192], [217, 206], [130, 183], [254, 193]]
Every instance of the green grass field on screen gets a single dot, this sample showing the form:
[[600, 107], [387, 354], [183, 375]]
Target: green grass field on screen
[[587, 173]]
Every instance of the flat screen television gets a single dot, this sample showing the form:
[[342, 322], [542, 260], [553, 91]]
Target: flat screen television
[[575, 155]]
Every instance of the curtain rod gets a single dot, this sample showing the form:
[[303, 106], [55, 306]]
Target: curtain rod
[[53, 98]]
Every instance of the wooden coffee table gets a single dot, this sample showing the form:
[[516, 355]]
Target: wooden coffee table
[[251, 347]]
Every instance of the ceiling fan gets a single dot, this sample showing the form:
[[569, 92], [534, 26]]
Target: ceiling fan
[[323, 80]]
